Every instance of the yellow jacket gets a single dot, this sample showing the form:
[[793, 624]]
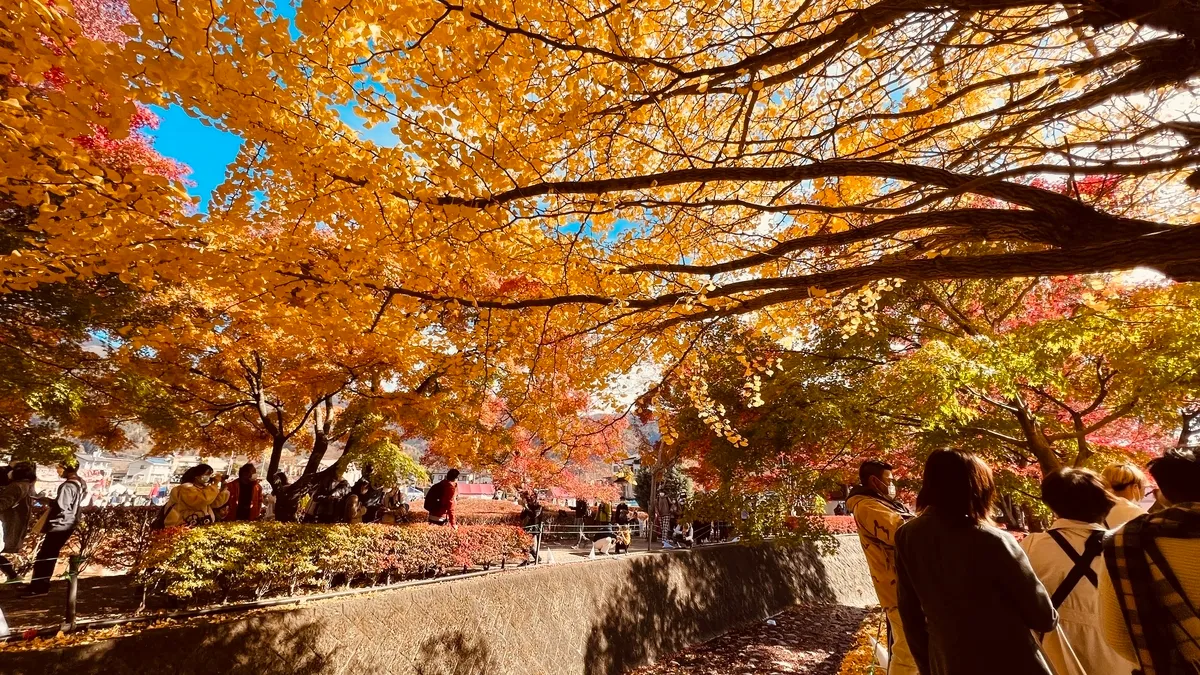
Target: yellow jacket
[[193, 505], [877, 524]]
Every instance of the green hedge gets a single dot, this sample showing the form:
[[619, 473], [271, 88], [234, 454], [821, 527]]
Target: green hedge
[[239, 560]]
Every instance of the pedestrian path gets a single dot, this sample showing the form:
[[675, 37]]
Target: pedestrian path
[[807, 640], [98, 598]]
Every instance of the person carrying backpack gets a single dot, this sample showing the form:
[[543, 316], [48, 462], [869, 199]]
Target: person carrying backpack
[[439, 501], [1067, 559]]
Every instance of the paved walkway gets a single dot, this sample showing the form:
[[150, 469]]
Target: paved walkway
[[811, 640], [98, 598]]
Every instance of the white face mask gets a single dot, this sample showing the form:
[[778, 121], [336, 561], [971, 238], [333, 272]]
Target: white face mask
[[892, 491]]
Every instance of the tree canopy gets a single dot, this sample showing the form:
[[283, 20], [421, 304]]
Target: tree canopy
[[523, 202]]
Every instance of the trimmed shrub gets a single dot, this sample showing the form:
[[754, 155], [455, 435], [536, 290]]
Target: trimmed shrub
[[819, 524], [840, 524], [113, 537], [239, 560], [491, 512]]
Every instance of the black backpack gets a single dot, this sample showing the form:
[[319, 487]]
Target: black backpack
[[433, 499]]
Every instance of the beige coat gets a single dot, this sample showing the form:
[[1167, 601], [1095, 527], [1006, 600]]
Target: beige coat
[[1077, 647]]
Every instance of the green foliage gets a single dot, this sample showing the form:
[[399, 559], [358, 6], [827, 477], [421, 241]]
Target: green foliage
[[231, 560], [57, 384], [392, 463], [34, 441], [674, 482]]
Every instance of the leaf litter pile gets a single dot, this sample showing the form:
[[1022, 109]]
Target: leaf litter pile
[[812, 640]]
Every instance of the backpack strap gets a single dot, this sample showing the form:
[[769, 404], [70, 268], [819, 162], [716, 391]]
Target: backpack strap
[[1083, 564]]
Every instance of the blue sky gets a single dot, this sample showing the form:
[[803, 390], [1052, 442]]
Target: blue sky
[[208, 150], [205, 149]]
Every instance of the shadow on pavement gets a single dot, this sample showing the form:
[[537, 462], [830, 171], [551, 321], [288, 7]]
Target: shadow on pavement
[[271, 644], [667, 602]]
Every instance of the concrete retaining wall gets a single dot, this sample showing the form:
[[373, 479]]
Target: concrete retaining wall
[[600, 618]]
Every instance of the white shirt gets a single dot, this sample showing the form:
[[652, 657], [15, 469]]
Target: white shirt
[[1122, 512], [1077, 646]]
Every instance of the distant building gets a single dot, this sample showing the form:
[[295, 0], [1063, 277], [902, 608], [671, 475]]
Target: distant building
[[476, 490], [149, 471]]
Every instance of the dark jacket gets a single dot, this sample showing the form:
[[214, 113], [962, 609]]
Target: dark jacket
[[64, 510], [969, 600], [15, 511]]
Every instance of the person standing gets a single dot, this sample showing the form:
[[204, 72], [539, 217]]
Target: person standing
[[878, 516], [1067, 559], [1150, 585], [285, 508], [439, 501], [969, 601], [60, 524], [16, 508], [194, 501], [662, 509], [1128, 484], [581, 514], [604, 513], [245, 495]]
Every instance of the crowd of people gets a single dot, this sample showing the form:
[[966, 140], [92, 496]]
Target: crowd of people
[[1110, 588], [202, 497]]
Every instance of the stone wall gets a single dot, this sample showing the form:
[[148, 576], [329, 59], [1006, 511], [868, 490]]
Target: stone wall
[[600, 618]]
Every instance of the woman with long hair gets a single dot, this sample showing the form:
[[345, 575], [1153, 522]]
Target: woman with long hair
[[969, 600], [245, 495]]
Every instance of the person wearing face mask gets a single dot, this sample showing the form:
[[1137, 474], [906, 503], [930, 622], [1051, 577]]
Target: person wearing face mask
[[878, 515], [245, 495], [194, 500], [60, 523]]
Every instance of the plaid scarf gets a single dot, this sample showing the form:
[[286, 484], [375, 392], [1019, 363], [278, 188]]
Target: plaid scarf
[[1163, 624]]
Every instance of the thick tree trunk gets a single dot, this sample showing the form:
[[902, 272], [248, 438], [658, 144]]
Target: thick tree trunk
[[287, 501], [1035, 439], [320, 446], [1012, 513], [277, 443], [1083, 450]]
